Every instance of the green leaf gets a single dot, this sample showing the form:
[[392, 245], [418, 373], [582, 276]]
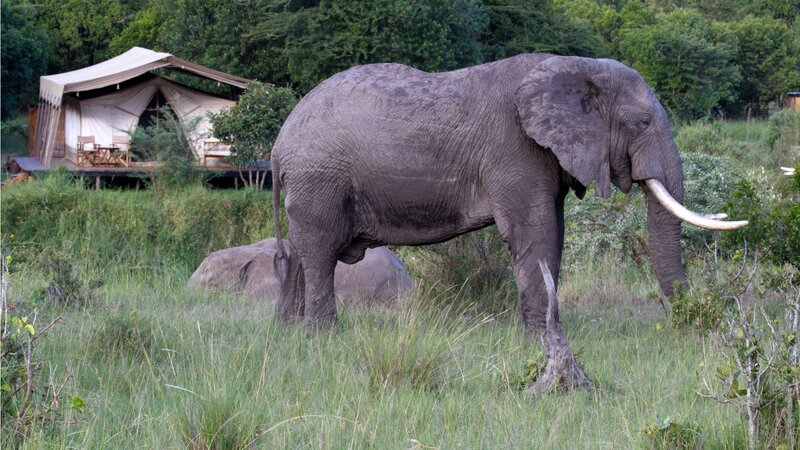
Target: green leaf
[[77, 403]]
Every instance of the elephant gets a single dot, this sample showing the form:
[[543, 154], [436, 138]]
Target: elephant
[[385, 154]]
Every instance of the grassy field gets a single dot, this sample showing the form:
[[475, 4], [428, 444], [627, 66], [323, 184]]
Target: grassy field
[[160, 367], [156, 365]]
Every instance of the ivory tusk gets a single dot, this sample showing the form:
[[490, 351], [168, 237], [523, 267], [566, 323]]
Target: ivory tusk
[[707, 221]]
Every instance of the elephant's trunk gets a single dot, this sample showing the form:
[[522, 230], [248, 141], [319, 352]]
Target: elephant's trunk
[[663, 227], [664, 239]]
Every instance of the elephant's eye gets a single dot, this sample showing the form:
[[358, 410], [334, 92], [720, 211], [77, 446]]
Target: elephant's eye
[[644, 123]]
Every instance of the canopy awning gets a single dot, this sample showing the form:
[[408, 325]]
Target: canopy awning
[[130, 64]]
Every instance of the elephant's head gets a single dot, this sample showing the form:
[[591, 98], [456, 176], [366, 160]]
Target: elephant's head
[[604, 124]]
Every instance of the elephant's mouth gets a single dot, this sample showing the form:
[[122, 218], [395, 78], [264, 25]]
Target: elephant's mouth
[[707, 221]]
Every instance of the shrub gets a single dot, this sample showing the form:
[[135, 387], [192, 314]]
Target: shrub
[[618, 225], [472, 271], [668, 434], [169, 141], [774, 226], [783, 136], [699, 307], [704, 137]]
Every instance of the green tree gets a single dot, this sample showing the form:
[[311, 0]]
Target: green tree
[[146, 29], [316, 39], [251, 127], [23, 55], [80, 31], [690, 73], [768, 56], [528, 26], [603, 19]]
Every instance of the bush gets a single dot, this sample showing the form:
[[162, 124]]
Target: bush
[[472, 271], [169, 141], [701, 307], [618, 225], [704, 137], [668, 434], [129, 230], [125, 335], [774, 227]]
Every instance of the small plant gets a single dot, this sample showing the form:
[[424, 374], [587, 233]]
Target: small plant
[[760, 374], [67, 286], [529, 373], [668, 434], [26, 399], [700, 308], [218, 422]]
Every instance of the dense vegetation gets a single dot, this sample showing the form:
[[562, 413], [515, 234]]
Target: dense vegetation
[[137, 359], [731, 56]]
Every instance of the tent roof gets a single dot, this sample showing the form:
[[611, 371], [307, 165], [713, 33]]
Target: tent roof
[[130, 64]]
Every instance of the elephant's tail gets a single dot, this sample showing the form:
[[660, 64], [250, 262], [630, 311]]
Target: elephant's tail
[[280, 263]]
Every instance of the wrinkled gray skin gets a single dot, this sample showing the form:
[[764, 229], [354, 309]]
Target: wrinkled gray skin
[[387, 154]]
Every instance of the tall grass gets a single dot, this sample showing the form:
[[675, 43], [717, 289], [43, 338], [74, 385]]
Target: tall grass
[[124, 231], [216, 371]]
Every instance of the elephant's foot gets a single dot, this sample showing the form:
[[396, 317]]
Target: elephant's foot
[[562, 373]]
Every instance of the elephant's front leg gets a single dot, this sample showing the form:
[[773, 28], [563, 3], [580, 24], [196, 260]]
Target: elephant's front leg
[[534, 233]]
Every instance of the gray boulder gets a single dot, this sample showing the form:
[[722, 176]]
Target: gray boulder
[[380, 278]]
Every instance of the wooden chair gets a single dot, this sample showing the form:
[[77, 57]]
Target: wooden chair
[[122, 150], [214, 149], [87, 150]]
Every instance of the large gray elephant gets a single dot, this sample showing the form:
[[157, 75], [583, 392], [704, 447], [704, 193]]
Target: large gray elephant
[[387, 154]]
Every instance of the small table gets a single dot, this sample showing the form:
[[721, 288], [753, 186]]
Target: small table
[[105, 155]]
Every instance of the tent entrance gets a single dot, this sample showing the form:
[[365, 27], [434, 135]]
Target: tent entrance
[[157, 117]]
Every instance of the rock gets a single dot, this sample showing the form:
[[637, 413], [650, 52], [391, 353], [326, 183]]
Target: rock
[[380, 278]]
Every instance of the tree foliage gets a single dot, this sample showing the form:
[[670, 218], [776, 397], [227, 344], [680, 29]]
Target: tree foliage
[[529, 26], [252, 125], [678, 57], [315, 41], [768, 56], [734, 55], [23, 55]]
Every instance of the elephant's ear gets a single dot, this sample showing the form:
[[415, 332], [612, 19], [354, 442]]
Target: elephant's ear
[[561, 105]]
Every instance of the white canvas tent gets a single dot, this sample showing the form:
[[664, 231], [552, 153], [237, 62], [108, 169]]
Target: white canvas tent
[[117, 112]]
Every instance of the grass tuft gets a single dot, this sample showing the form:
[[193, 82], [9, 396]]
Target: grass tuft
[[125, 335]]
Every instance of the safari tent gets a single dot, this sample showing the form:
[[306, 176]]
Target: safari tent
[[108, 100]]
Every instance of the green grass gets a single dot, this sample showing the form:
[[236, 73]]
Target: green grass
[[163, 367]]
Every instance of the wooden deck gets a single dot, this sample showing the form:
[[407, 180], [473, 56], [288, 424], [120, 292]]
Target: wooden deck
[[33, 166]]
